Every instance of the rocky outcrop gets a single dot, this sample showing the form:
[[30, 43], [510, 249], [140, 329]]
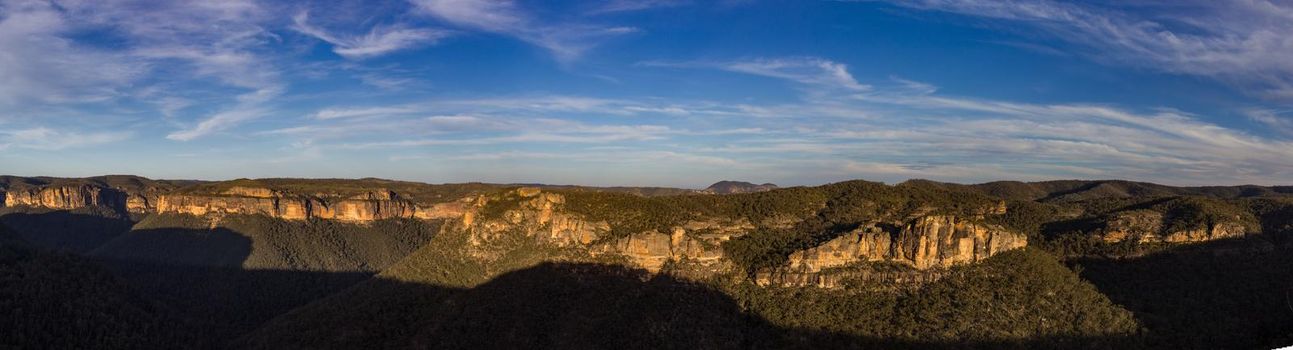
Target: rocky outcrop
[[1147, 226], [539, 216], [928, 242], [376, 204], [696, 242], [67, 197], [139, 203], [370, 206], [944, 241]]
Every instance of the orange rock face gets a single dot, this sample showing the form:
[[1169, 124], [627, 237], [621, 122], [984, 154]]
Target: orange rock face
[[67, 197], [1148, 227], [362, 208], [928, 242]]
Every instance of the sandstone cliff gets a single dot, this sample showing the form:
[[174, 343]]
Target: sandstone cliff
[[1147, 226], [374, 205], [698, 243], [118, 193], [540, 216], [695, 247], [66, 197], [927, 242]]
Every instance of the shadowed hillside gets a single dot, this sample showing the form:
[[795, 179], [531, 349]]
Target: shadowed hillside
[[219, 304], [281, 263], [230, 278], [591, 306], [601, 306], [54, 300], [1234, 294], [257, 242], [76, 231]]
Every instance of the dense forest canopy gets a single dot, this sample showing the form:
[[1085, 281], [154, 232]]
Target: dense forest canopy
[[137, 280]]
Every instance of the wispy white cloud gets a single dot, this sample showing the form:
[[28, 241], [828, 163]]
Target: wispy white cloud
[[361, 112], [812, 71], [573, 133], [379, 40], [216, 123], [807, 70], [619, 6], [914, 130], [38, 64], [216, 44], [1241, 42], [565, 40], [1277, 120], [46, 139], [585, 155], [386, 82]]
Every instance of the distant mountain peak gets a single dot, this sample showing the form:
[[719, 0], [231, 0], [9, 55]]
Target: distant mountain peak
[[727, 186]]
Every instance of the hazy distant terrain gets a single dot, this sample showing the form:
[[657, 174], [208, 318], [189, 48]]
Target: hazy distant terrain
[[371, 263]]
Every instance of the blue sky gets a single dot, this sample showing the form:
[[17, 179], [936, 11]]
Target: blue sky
[[650, 92]]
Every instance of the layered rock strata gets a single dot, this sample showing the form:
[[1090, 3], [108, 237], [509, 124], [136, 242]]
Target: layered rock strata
[[539, 216], [70, 197], [1146, 226], [370, 206], [927, 242], [374, 205]]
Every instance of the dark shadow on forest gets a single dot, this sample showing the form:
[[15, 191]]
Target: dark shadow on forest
[[219, 304], [197, 275], [1192, 298], [215, 247], [575, 306], [1231, 294], [72, 231], [550, 306]]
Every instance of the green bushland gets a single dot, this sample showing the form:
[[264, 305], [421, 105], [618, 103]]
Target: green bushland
[[257, 241], [1014, 299], [54, 300], [1232, 294], [75, 231], [125, 182], [228, 278], [1009, 298], [796, 218], [297, 283], [785, 220]]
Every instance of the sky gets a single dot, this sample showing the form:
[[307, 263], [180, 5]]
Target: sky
[[677, 93]]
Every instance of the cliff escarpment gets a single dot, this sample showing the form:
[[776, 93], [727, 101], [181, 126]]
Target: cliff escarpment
[[377, 204], [122, 194], [544, 218], [377, 263], [1179, 220], [803, 236], [934, 242], [370, 204], [76, 196], [697, 245]]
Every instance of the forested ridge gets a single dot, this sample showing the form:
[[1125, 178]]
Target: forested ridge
[[245, 281]]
